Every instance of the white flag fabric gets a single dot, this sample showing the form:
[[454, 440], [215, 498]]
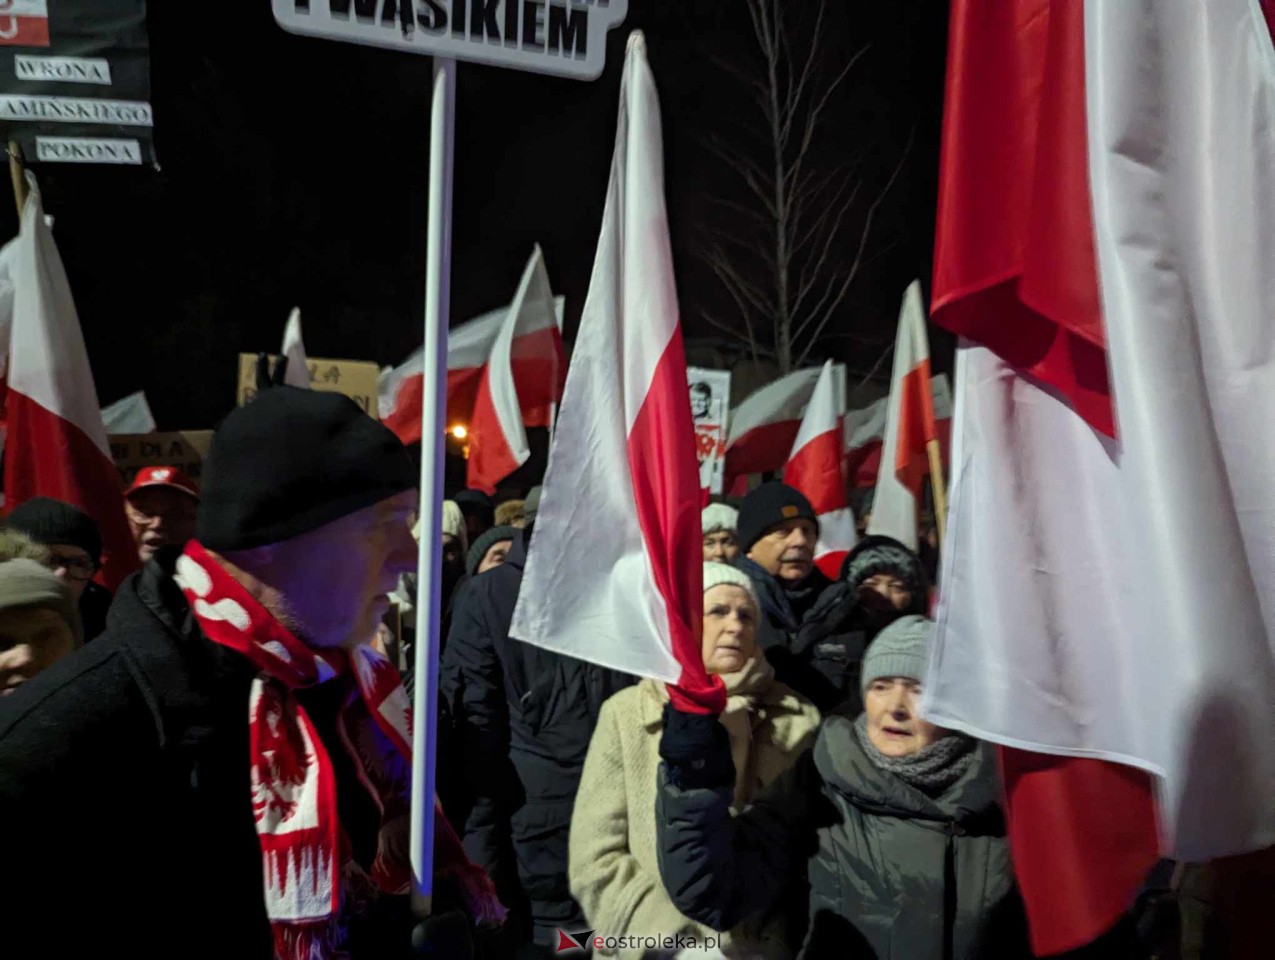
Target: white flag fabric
[[816, 468], [614, 572], [894, 504], [1116, 599], [298, 372], [132, 414], [498, 436]]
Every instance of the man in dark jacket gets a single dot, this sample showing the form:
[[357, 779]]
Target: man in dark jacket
[[777, 532], [172, 779], [524, 719]]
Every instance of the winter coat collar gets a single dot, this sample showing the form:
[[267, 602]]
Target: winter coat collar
[[782, 605], [845, 767], [750, 688]]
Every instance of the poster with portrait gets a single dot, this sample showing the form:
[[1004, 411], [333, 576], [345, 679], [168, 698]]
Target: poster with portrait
[[710, 409]]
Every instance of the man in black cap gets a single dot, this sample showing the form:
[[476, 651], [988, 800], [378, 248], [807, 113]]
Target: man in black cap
[[226, 772], [75, 543], [777, 532]]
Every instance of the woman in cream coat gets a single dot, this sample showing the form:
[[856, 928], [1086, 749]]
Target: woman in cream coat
[[614, 873]]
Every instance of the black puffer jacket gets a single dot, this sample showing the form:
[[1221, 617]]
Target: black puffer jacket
[[804, 632], [523, 721], [892, 874]]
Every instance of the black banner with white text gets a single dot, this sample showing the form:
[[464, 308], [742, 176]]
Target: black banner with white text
[[75, 80]]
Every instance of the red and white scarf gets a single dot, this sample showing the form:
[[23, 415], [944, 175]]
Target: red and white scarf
[[306, 856]]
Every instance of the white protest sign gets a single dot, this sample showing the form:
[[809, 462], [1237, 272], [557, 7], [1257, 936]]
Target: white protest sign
[[566, 38], [710, 404]]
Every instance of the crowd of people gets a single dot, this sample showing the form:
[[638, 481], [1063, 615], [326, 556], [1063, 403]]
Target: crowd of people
[[215, 761]]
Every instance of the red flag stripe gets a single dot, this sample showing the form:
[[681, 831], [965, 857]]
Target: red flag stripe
[[815, 471], [1015, 267], [666, 491], [916, 428], [47, 456]]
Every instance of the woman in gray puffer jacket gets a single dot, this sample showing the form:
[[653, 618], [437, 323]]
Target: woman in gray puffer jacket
[[893, 823]]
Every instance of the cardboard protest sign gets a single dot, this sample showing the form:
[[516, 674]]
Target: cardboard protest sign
[[357, 379], [566, 38], [710, 404], [184, 449], [75, 80]]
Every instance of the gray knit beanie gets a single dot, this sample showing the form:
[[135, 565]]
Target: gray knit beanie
[[900, 650], [24, 583], [485, 542]]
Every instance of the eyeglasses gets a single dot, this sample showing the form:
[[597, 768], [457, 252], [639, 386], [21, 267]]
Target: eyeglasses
[[77, 568]]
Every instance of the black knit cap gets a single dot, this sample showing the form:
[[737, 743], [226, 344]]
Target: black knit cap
[[49, 521], [291, 461], [485, 542], [768, 506], [475, 503]]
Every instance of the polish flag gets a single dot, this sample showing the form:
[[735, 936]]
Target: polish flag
[[764, 427], [865, 433], [815, 468], [56, 445], [1104, 237], [297, 373], [539, 365], [498, 439], [910, 426], [24, 23], [614, 574]]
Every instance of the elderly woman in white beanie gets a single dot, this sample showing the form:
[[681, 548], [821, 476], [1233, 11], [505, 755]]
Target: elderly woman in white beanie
[[613, 868], [721, 543]]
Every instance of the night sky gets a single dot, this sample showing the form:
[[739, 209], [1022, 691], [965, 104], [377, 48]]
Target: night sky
[[294, 172]]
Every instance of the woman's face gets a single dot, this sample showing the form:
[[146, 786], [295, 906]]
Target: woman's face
[[894, 719], [32, 639], [730, 628]]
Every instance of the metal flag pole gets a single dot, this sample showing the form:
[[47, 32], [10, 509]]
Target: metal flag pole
[[433, 414]]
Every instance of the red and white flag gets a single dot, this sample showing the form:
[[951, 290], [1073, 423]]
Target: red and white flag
[[764, 427], [816, 469], [56, 445], [1108, 576], [24, 23], [297, 373], [865, 433], [909, 427], [539, 365], [615, 571], [497, 436]]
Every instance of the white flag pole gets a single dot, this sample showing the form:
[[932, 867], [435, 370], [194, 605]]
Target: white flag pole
[[433, 411]]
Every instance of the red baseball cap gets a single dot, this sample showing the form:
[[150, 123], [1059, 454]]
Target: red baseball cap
[[163, 477]]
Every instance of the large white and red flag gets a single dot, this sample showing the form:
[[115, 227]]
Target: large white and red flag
[[910, 426], [1108, 587], [497, 435], [865, 433], [615, 571], [764, 427], [56, 444], [539, 365], [816, 468]]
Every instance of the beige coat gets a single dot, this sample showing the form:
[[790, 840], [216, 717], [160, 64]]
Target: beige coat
[[613, 869]]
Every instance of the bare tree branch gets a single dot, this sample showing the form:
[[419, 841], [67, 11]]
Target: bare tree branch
[[858, 259]]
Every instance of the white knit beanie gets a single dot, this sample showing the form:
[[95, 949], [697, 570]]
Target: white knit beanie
[[715, 574], [454, 523], [718, 516]]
